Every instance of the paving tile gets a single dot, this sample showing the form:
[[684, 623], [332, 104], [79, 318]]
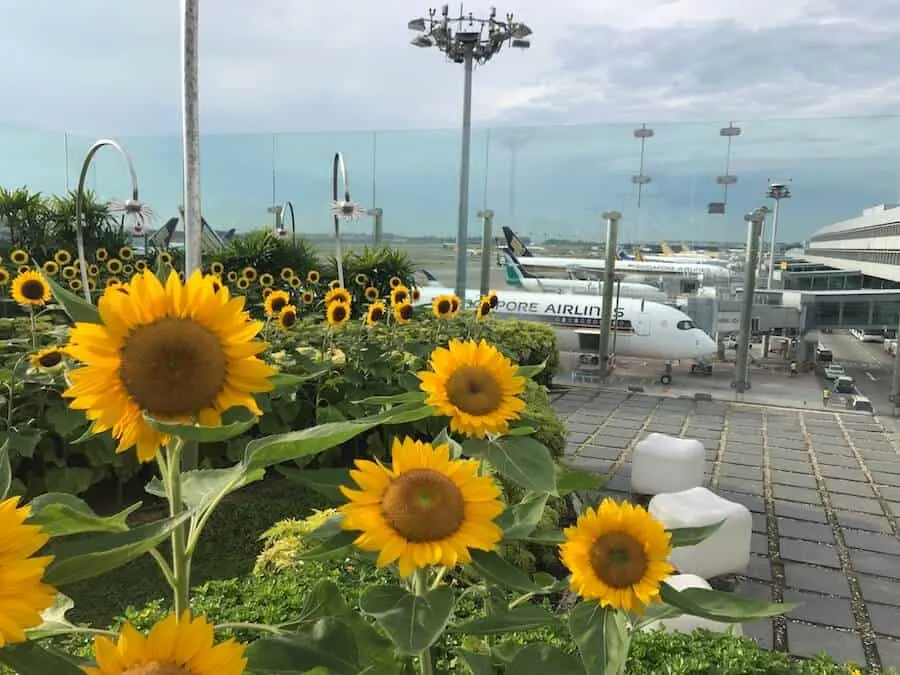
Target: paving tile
[[842, 472], [804, 529], [885, 619], [809, 552], [870, 541], [760, 631], [745, 485], [759, 568], [884, 467], [872, 562], [600, 452], [856, 504], [791, 478], [740, 471], [889, 651], [759, 543], [848, 462], [821, 609], [588, 464], [849, 487], [790, 465], [878, 589], [820, 579], [759, 522], [862, 521], [799, 511], [753, 502], [797, 494], [805, 640], [740, 458]]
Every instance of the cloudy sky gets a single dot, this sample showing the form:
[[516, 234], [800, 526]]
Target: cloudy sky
[[112, 66]]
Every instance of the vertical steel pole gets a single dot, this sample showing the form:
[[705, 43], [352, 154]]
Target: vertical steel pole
[[190, 135], [487, 220], [754, 231], [609, 282], [772, 246], [462, 225], [379, 225]]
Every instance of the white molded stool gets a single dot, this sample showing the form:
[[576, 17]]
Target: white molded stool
[[662, 463], [726, 551], [687, 623]]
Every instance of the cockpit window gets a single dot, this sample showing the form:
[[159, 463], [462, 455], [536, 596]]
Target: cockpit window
[[687, 324]]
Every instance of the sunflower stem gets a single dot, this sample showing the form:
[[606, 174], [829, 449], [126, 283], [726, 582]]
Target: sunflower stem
[[33, 328], [181, 562], [420, 583]]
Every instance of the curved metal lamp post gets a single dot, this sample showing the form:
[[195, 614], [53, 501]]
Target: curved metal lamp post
[[130, 208], [342, 209], [281, 232]]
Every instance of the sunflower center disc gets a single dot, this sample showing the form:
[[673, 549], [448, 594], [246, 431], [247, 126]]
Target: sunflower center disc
[[423, 505], [50, 359], [618, 560], [173, 367], [288, 319], [474, 391], [157, 668], [377, 314], [278, 303], [443, 307], [339, 313], [32, 290]]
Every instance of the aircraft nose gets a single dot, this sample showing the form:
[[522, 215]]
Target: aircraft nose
[[705, 345]]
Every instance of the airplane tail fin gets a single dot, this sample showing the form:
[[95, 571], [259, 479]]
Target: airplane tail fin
[[514, 243], [638, 255], [432, 280], [665, 248], [624, 256], [514, 271], [685, 248]]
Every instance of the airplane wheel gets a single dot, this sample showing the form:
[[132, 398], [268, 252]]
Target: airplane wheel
[[666, 379]]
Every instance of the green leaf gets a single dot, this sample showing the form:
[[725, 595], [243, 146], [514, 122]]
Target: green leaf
[[688, 536], [88, 556], [413, 622], [416, 396], [444, 438], [336, 546], [61, 514], [602, 637], [536, 659], [525, 430], [546, 537], [292, 381], [30, 658], [518, 521], [531, 371], [202, 488], [329, 643], [524, 617], [569, 480], [522, 459], [54, 620], [658, 611], [5, 470], [235, 422], [502, 573], [24, 441], [719, 605], [78, 309], [324, 481], [478, 664]]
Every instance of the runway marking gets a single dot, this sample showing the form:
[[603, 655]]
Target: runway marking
[[871, 376]]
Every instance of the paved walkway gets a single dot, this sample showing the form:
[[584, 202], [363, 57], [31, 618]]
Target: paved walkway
[[824, 491]]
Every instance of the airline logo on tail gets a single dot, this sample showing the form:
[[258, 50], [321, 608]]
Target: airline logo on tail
[[514, 243]]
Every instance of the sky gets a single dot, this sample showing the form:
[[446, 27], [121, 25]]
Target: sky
[[814, 84]]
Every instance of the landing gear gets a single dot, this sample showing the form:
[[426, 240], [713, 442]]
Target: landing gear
[[666, 377]]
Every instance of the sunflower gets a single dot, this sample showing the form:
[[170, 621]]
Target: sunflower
[[416, 295], [277, 300], [101, 254], [93, 270], [30, 288], [164, 258], [243, 284], [375, 313], [113, 281], [216, 268], [4, 276], [75, 284], [181, 277], [48, 358], [287, 317], [493, 299], [371, 293], [250, 273], [337, 314], [307, 297], [128, 270], [179, 352], [266, 292], [427, 509], [395, 281], [23, 268], [19, 257], [216, 283], [114, 265], [24, 596], [50, 268], [484, 307], [442, 306], [312, 277], [455, 302], [295, 282], [617, 555], [266, 280], [92, 284], [399, 295], [140, 265], [126, 253], [474, 385], [62, 257], [403, 312], [173, 646], [337, 295], [286, 274], [333, 285], [69, 272], [362, 279], [232, 276]]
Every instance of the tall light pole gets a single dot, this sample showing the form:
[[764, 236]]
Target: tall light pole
[[776, 191], [725, 179], [190, 136], [755, 221], [467, 39]]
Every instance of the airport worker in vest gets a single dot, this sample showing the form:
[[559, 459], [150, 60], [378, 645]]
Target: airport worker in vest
[[825, 394]]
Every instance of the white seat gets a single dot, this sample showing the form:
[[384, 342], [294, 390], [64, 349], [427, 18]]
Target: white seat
[[687, 623], [725, 551], [662, 463]]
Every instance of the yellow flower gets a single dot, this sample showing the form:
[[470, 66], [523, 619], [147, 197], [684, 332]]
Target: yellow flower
[[69, 272], [114, 265], [101, 254], [493, 299], [23, 596], [371, 293], [442, 306], [217, 268], [48, 358], [475, 386], [275, 301], [172, 647], [286, 274], [399, 295], [313, 277], [19, 257], [266, 280], [113, 281], [75, 284], [295, 282], [243, 284], [427, 509], [50, 268], [455, 302], [128, 270], [484, 307], [361, 279], [140, 265], [180, 352], [337, 314], [403, 312], [30, 288], [395, 281], [164, 258], [416, 295], [618, 556], [4, 276], [375, 313], [126, 253], [250, 273], [287, 317], [337, 295], [93, 270], [307, 297], [232, 276], [62, 257]]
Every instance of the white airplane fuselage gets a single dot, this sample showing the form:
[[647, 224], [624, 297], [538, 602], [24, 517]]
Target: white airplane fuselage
[[536, 264], [585, 287], [642, 328]]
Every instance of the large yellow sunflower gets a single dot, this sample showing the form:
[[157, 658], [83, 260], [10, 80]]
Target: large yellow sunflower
[[287, 317], [442, 306], [30, 288], [403, 313], [375, 313], [399, 295], [337, 314], [617, 555], [48, 358], [427, 509], [484, 307], [337, 295], [172, 647], [275, 301], [180, 352], [23, 596], [475, 386]]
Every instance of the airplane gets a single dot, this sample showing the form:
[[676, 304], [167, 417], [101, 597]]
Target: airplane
[[676, 258], [517, 276], [640, 328], [533, 263]]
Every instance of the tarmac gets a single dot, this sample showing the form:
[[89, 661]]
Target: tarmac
[[823, 487]]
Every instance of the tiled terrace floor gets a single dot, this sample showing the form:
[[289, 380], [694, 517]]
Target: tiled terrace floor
[[824, 491]]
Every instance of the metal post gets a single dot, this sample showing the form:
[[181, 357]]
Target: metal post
[[487, 221], [618, 297], [609, 280], [895, 384], [378, 231], [190, 136], [772, 245], [755, 220], [462, 225]]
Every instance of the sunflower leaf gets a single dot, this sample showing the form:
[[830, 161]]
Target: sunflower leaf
[[329, 643], [532, 370], [54, 620], [324, 481], [31, 658], [413, 622], [602, 637], [537, 659], [524, 617], [235, 422], [689, 536], [496, 570], [60, 514], [519, 520], [719, 605], [522, 459], [78, 309]]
